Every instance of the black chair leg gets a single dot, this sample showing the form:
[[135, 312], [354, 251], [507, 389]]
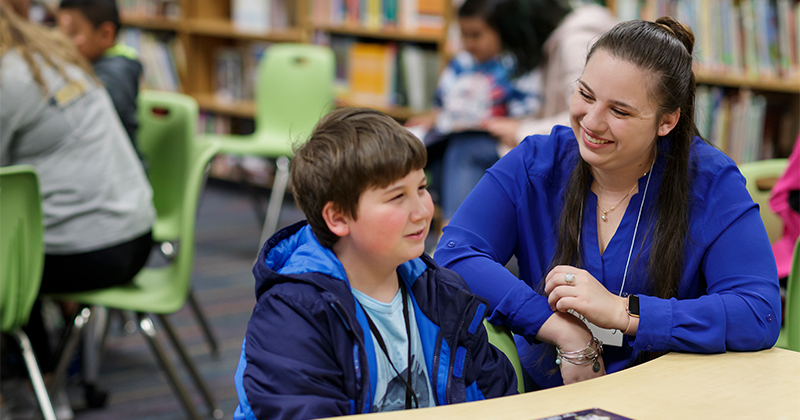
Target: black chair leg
[[201, 318], [68, 345], [148, 328], [187, 361]]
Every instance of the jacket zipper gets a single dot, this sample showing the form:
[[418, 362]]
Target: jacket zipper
[[337, 306], [451, 368], [436, 350]]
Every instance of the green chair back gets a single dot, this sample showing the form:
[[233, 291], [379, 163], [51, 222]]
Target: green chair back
[[167, 123], [163, 290], [790, 333], [21, 244], [294, 90], [764, 169], [501, 337]]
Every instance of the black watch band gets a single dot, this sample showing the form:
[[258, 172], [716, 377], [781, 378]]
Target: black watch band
[[633, 305]]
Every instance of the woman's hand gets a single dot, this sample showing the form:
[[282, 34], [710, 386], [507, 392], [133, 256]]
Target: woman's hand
[[572, 288], [505, 129], [570, 334]]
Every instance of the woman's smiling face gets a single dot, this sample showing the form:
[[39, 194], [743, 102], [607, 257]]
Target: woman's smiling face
[[613, 116]]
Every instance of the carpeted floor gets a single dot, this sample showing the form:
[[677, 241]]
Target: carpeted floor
[[227, 242]]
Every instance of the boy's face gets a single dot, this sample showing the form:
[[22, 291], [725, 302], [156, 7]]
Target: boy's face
[[479, 39], [91, 42], [393, 222]]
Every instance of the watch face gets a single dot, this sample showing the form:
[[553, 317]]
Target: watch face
[[633, 305]]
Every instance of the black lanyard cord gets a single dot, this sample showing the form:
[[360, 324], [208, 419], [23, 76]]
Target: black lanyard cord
[[410, 394]]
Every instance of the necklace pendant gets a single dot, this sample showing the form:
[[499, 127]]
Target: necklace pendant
[[603, 217], [596, 366]]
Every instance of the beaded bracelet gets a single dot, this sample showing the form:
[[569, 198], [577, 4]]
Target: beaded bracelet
[[584, 356]]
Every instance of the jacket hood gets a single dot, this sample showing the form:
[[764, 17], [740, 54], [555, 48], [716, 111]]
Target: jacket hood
[[294, 251]]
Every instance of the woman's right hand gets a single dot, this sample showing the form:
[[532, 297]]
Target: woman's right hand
[[570, 334]]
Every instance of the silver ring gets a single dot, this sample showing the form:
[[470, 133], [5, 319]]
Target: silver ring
[[569, 278]]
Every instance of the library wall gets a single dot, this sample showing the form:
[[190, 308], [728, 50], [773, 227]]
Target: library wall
[[389, 53]]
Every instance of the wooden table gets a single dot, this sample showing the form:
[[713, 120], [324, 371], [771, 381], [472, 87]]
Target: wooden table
[[759, 385]]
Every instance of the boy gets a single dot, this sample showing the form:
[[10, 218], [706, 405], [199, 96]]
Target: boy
[[339, 296], [93, 27]]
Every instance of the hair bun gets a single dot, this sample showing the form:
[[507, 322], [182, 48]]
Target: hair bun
[[679, 30]]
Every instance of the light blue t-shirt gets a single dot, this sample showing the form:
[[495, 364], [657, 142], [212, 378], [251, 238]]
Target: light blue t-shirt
[[390, 393]]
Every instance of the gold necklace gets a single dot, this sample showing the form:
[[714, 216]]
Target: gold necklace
[[603, 217]]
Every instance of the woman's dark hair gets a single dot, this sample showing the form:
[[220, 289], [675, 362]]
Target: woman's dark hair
[[663, 48], [523, 25]]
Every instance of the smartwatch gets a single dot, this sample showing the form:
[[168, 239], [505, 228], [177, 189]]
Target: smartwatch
[[633, 305]]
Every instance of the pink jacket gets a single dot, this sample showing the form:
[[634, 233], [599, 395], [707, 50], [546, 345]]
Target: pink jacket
[[779, 202]]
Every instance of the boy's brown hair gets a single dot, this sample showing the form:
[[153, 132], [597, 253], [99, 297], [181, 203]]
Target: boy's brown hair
[[350, 151]]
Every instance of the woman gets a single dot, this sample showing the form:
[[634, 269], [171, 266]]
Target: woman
[[584, 210], [97, 203]]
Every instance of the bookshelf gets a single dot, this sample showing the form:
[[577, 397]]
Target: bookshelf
[[204, 27], [186, 45], [747, 67], [198, 33]]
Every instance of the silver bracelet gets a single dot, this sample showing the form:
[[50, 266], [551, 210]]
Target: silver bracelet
[[585, 356]]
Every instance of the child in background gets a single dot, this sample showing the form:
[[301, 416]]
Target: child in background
[[494, 76], [93, 27], [351, 316]]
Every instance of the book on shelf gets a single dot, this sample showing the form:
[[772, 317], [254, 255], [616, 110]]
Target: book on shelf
[[170, 9], [161, 57], [420, 75], [236, 71], [743, 125], [262, 15], [757, 39], [410, 15], [371, 73], [383, 74], [229, 71]]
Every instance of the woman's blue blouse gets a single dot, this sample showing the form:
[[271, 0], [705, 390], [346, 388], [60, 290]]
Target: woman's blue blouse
[[728, 296]]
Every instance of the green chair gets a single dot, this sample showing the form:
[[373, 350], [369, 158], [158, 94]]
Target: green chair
[[501, 337], [295, 88], [163, 290], [21, 262], [166, 141], [765, 170], [790, 333]]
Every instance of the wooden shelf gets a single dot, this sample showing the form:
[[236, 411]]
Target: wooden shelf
[[247, 109], [152, 22], [225, 29], [385, 33], [773, 85], [241, 109]]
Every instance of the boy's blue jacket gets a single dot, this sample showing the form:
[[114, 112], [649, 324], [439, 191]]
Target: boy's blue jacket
[[308, 349]]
